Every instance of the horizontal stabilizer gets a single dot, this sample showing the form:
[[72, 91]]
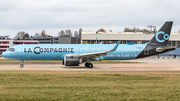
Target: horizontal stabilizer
[[159, 49]]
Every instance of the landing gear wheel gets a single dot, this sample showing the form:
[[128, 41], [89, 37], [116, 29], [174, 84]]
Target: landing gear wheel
[[21, 65], [90, 65], [86, 64]]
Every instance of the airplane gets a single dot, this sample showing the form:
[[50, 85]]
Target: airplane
[[73, 55]]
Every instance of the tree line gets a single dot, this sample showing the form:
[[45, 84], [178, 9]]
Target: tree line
[[134, 29], [68, 33]]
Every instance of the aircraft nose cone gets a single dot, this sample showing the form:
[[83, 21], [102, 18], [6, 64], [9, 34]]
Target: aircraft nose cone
[[2, 54]]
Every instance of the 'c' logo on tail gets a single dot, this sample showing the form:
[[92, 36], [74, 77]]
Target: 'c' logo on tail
[[165, 37]]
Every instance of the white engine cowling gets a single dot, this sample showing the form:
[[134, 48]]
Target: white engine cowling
[[72, 61]]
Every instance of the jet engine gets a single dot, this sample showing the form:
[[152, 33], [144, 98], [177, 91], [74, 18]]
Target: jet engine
[[71, 61]]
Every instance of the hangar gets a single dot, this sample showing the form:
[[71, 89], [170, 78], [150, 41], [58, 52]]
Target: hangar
[[125, 37]]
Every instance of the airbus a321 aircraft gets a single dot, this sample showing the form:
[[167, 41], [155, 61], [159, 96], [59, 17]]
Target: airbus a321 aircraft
[[73, 55]]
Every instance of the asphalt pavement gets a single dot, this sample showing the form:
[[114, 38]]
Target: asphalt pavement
[[146, 64]]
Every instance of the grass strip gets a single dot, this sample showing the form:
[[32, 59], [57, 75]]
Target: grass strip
[[83, 86]]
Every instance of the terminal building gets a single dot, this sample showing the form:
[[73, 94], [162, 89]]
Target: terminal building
[[130, 37]]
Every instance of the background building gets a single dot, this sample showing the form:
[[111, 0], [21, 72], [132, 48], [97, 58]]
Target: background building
[[51, 40], [124, 37], [5, 44], [4, 37]]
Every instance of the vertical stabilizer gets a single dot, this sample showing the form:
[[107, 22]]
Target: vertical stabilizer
[[163, 35]]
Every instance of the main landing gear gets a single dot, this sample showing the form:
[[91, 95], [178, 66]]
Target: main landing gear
[[89, 65], [22, 65]]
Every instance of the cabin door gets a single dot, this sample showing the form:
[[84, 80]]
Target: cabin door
[[146, 50], [21, 50]]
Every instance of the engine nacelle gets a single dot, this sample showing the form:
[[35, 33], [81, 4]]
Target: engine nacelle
[[72, 61]]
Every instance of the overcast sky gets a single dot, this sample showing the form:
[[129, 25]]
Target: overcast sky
[[32, 16]]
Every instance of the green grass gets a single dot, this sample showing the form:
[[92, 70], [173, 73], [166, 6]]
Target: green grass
[[81, 86], [54, 61]]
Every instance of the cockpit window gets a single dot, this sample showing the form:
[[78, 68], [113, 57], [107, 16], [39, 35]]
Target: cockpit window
[[11, 49]]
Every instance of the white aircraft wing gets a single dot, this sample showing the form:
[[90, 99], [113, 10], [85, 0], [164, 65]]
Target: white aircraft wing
[[97, 54]]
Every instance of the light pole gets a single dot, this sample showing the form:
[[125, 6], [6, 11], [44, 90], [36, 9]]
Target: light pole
[[154, 27]]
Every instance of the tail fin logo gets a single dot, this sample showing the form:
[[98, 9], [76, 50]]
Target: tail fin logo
[[165, 37]]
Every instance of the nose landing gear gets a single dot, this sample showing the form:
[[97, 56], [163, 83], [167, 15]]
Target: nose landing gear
[[22, 65]]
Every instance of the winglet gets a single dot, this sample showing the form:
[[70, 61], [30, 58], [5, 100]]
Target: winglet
[[115, 47], [101, 42]]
